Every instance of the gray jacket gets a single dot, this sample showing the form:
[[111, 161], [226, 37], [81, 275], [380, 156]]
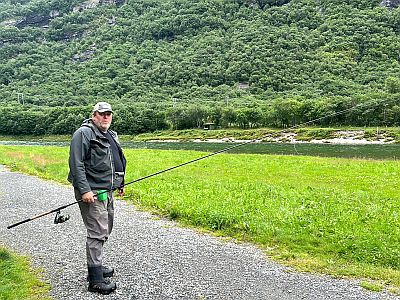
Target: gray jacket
[[91, 164]]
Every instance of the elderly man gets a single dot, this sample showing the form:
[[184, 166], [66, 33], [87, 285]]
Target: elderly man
[[97, 167]]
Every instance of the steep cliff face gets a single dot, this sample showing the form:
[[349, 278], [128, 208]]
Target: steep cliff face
[[43, 20], [390, 3], [37, 20], [86, 5], [93, 3]]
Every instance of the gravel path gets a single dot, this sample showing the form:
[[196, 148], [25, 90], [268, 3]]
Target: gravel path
[[154, 259]]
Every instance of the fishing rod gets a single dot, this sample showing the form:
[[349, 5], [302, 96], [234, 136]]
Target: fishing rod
[[59, 218]]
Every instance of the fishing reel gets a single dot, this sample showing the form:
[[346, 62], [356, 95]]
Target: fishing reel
[[59, 218]]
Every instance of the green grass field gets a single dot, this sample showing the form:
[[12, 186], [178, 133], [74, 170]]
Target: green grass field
[[331, 215]]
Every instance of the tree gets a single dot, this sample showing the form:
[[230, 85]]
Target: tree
[[287, 112], [392, 85]]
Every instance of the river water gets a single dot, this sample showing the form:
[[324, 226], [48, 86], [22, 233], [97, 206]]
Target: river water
[[364, 151]]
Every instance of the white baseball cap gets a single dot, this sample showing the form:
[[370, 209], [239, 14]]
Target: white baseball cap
[[102, 107]]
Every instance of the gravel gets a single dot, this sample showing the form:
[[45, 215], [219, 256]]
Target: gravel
[[153, 258]]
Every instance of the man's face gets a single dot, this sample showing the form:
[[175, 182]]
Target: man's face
[[102, 120]]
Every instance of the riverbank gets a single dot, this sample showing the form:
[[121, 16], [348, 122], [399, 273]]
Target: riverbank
[[302, 135], [337, 137], [359, 136]]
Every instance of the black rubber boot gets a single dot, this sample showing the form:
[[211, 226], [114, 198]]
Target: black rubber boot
[[97, 283], [107, 271]]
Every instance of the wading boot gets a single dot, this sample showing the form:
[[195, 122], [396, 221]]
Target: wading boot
[[107, 271], [97, 283]]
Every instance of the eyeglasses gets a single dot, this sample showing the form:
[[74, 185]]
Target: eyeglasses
[[105, 113]]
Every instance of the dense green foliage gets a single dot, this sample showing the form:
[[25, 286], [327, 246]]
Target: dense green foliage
[[179, 63]]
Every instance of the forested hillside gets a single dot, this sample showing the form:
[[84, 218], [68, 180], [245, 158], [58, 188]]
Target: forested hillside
[[181, 63]]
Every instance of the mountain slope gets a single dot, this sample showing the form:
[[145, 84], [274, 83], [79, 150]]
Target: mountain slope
[[239, 52]]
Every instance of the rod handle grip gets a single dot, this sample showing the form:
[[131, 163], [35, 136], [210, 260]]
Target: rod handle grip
[[33, 218], [19, 223]]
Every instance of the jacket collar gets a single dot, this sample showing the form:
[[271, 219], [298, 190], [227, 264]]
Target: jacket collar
[[89, 123]]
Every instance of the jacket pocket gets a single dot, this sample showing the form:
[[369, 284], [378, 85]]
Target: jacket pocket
[[99, 156]]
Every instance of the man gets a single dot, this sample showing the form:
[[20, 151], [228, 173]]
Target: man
[[97, 164]]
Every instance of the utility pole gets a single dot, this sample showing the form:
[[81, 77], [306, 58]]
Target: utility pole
[[174, 101], [384, 114], [21, 98]]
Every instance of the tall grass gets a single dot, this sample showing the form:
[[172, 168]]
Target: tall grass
[[333, 215]]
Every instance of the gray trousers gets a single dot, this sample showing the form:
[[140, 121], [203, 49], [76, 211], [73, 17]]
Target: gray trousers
[[98, 218]]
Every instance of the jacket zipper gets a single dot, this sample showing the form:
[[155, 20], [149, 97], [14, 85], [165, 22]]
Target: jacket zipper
[[112, 169]]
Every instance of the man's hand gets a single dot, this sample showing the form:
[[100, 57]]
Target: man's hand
[[88, 197], [121, 191]]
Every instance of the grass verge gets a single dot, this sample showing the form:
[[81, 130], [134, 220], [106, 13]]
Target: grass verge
[[18, 281]]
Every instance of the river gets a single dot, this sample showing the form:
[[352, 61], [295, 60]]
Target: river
[[364, 151]]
